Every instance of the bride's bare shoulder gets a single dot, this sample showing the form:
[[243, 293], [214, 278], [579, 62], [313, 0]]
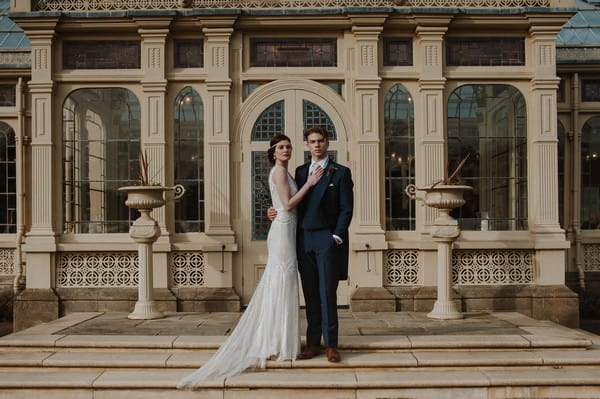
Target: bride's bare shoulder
[[279, 173]]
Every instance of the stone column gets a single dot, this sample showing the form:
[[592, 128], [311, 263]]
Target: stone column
[[154, 33], [369, 236], [430, 142], [38, 303], [551, 297], [217, 173]]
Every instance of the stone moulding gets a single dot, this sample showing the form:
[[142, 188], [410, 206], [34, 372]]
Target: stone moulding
[[124, 5]]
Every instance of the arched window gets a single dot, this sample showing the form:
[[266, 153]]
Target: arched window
[[399, 158], [561, 173], [8, 180], [189, 160], [489, 123], [590, 174], [101, 145]]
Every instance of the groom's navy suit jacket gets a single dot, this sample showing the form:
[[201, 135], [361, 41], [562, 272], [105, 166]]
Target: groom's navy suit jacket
[[335, 197]]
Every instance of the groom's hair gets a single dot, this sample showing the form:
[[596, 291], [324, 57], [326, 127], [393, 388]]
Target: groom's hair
[[316, 129]]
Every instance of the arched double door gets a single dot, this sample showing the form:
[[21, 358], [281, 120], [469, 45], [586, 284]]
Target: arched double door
[[278, 107]]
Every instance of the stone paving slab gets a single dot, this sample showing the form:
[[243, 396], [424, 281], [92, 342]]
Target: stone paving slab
[[116, 341], [468, 341], [68, 321], [299, 379], [360, 359], [479, 358], [443, 378], [550, 341], [142, 379], [579, 376], [48, 379], [24, 339], [99, 359], [560, 357], [25, 359]]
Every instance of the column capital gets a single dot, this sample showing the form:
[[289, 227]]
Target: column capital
[[153, 25]]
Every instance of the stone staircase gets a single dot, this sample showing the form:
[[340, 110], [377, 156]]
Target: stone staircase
[[547, 361]]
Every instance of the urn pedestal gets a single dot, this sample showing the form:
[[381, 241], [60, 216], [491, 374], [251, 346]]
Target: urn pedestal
[[145, 231], [443, 197]]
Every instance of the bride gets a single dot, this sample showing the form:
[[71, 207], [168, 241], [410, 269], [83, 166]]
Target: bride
[[270, 326]]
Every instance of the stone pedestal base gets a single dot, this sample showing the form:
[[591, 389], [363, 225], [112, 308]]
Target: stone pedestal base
[[556, 303], [110, 299], [204, 299], [34, 306], [372, 299]]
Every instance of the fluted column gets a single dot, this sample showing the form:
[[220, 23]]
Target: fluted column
[[38, 302], [368, 241], [217, 136], [542, 167], [154, 34], [430, 112]]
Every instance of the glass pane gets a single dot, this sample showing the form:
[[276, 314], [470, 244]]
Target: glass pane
[[590, 90], [269, 123], [293, 52], [590, 174], [482, 52], [101, 54], [489, 123], [397, 52], [315, 116], [189, 160], [399, 158], [101, 143], [8, 95], [189, 54], [8, 211], [561, 173], [261, 195]]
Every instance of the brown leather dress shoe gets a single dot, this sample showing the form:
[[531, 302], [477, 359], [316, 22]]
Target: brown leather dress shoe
[[309, 352], [333, 355]]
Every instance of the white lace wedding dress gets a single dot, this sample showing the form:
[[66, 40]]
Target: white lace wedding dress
[[270, 325]]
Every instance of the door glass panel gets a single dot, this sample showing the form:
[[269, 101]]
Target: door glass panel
[[315, 116], [269, 123], [261, 196]]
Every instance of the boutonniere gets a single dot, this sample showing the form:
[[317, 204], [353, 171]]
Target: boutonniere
[[330, 168]]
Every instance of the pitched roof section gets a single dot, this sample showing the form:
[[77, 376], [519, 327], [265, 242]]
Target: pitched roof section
[[584, 27], [11, 35]]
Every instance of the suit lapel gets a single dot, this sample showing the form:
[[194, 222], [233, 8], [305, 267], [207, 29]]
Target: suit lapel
[[301, 175], [321, 187]]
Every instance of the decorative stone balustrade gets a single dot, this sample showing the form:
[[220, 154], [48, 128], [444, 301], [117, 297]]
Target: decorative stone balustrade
[[123, 5]]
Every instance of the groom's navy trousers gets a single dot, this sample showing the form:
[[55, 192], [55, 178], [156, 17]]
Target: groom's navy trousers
[[325, 210]]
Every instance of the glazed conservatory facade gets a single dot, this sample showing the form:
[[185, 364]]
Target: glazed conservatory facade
[[403, 89]]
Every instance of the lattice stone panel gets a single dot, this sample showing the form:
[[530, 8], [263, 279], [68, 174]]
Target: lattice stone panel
[[7, 266], [474, 267], [107, 269], [401, 267], [123, 5], [187, 269], [591, 257]]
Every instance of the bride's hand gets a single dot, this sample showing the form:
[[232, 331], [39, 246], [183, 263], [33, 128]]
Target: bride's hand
[[315, 176]]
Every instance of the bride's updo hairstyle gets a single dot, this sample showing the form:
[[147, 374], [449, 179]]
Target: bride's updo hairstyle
[[274, 141]]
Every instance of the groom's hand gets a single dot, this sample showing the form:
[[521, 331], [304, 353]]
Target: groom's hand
[[271, 213]]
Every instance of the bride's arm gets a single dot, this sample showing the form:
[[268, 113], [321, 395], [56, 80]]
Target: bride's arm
[[280, 177]]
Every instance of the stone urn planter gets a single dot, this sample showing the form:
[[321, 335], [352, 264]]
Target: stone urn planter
[[145, 231], [443, 197]]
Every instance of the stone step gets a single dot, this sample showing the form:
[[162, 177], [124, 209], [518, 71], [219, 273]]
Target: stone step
[[349, 343], [357, 360], [531, 382]]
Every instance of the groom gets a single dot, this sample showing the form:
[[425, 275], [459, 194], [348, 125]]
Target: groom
[[322, 243]]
